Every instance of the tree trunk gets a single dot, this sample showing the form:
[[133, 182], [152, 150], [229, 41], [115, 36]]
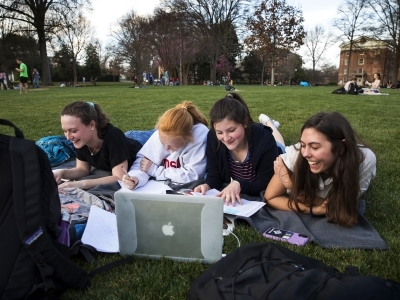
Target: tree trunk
[[396, 65], [46, 76], [213, 68]]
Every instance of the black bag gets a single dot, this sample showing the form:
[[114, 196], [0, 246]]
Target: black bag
[[269, 271], [34, 265]]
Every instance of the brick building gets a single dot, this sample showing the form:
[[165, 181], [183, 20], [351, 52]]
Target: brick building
[[368, 56]]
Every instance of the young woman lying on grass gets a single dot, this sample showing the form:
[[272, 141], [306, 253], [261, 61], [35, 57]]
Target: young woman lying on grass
[[98, 144], [240, 152], [175, 151], [326, 173]]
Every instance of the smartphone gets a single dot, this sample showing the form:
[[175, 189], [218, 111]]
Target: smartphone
[[180, 192], [286, 236]]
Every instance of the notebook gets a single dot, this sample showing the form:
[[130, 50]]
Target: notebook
[[180, 227]]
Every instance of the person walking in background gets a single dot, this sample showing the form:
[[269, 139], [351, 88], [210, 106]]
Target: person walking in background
[[23, 75], [3, 80], [144, 77], [36, 77]]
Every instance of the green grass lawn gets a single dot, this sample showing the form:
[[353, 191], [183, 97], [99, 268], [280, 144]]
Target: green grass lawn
[[374, 117]]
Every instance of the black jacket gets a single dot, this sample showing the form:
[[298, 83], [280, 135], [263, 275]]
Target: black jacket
[[263, 152]]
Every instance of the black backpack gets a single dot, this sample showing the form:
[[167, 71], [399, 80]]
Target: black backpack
[[34, 265], [269, 271]]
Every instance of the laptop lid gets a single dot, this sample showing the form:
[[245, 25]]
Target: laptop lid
[[180, 227]]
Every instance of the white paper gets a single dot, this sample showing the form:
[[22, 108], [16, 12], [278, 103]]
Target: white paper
[[247, 208], [151, 187], [101, 230]]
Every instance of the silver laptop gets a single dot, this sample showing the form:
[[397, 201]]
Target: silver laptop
[[180, 227]]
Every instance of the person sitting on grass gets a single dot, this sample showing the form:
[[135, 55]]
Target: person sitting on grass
[[175, 151], [98, 145], [326, 174], [240, 152], [374, 87]]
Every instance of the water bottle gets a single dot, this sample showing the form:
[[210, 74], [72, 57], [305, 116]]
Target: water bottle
[[63, 238]]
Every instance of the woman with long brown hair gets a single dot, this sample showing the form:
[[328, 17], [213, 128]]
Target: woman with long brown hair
[[326, 173]]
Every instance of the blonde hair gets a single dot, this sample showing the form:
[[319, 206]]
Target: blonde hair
[[179, 121]]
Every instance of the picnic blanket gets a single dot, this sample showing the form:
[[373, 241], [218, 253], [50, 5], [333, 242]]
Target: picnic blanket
[[374, 94], [320, 231]]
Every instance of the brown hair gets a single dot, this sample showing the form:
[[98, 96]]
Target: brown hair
[[234, 108], [342, 206], [179, 121], [87, 111]]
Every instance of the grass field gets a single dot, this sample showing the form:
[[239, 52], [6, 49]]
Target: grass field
[[374, 117]]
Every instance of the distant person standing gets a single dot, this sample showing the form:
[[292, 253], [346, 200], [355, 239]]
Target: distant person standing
[[151, 79], [3, 80], [84, 80], [166, 78], [36, 77], [144, 76], [23, 75]]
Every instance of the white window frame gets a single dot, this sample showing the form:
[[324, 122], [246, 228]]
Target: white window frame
[[361, 61]]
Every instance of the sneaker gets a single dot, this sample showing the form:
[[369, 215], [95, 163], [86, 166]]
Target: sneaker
[[276, 124], [263, 119]]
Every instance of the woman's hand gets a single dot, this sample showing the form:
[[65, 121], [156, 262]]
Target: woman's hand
[[282, 173], [231, 193], [58, 175], [130, 182], [202, 188], [81, 184], [145, 164], [320, 209]]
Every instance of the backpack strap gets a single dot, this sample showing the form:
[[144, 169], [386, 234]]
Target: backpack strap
[[27, 194], [18, 133]]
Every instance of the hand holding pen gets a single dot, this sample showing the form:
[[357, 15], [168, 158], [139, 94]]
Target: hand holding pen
[[130, 182]]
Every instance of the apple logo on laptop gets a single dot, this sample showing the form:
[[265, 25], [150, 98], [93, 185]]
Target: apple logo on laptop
[[168, 229]]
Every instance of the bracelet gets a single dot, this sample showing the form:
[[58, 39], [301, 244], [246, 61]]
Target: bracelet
[[232, 180]]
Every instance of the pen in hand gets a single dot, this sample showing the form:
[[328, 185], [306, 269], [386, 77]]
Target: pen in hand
[[126, 172]]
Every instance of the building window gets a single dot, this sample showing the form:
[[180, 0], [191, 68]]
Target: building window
[[362, 53], [345, 62], [345, 71], [359, 71], [377, 51], [361, 61], [347, 53]]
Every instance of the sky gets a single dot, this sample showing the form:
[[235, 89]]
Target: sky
[[106, 15]]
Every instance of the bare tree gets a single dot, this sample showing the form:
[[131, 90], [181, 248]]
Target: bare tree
[[275, 29], [44, 17], [131, 42], [351, 20], [75, 34], [292, 63], [317, 42], [213, 21], [388, 14]]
